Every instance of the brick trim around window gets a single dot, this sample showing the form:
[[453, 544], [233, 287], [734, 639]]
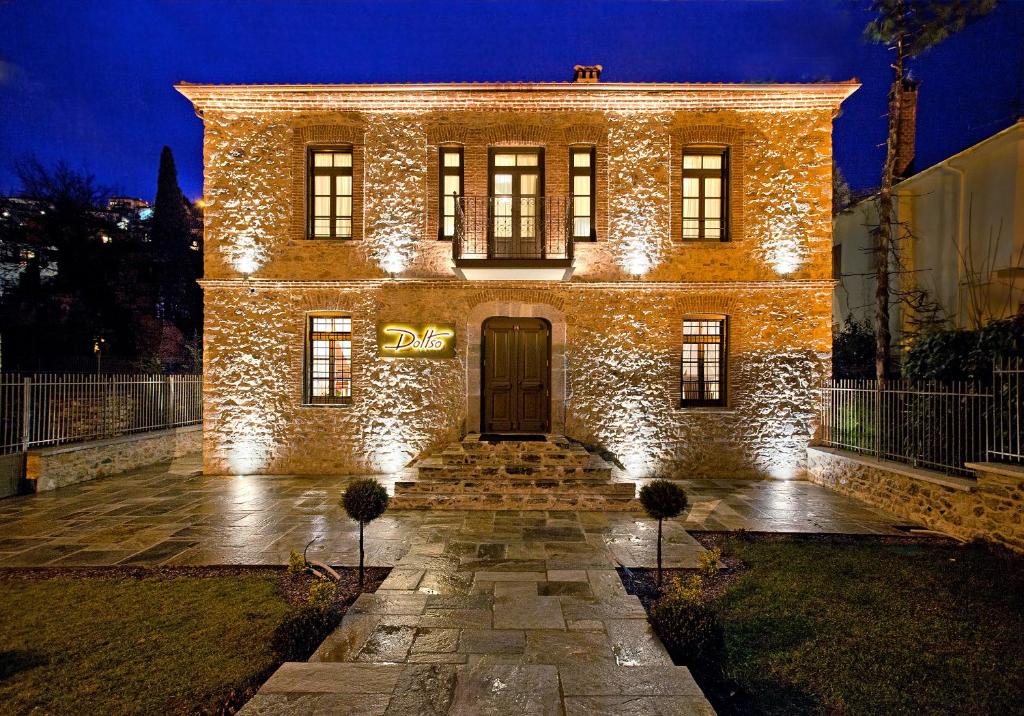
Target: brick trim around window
[[734, 140], [304, 137], [477, 140], [704, 363]]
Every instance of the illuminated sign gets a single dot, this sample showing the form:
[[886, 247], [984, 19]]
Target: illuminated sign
[[408, 340]]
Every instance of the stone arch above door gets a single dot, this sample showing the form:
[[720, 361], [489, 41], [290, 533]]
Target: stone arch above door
[[474, 337]]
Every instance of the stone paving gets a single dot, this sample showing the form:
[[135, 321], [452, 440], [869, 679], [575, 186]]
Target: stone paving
[[171, 515], [495, 613]]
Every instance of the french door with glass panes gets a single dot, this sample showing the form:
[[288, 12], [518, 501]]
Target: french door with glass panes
[[517, 215]]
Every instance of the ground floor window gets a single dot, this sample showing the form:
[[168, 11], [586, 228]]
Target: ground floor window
[[704, 361], [329, 360]]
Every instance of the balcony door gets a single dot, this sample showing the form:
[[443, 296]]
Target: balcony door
[[516, 223], [516, 389]]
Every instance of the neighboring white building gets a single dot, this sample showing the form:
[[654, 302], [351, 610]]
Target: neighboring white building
[[966, 217]]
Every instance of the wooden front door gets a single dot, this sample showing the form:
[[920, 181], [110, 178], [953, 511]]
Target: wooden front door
[[516, 389]]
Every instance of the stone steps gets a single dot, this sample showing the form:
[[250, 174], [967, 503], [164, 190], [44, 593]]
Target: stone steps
[[513, 501], [549, 474], [560, 457], [592, 470], [525, 487]]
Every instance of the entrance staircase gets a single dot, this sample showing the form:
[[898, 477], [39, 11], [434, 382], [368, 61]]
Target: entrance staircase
[[544, 472]]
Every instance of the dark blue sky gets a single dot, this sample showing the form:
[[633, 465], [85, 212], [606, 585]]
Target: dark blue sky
[[89, 81]]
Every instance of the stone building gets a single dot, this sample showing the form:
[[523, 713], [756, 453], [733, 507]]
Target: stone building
[[644, 268]]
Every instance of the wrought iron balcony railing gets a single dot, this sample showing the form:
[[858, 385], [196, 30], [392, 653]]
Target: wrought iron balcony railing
[[506, 230]]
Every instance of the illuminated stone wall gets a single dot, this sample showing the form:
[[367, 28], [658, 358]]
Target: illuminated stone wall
[[624, 305], [622, 391], [988, 507], [780, 207]]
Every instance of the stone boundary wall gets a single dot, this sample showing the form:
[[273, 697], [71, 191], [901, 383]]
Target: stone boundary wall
[[50, 468], [990, 507], [12, 469]]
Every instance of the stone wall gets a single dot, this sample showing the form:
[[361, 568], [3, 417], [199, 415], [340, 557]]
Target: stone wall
[[50, 468], [618, 369], [990, 507], [620, 374], [12, 470], [779, 203]]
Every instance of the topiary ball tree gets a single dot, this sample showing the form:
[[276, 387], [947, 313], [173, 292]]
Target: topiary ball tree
[[364, 501], [662, 499]]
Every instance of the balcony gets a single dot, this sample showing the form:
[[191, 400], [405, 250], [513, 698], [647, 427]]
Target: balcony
[[513, 238]]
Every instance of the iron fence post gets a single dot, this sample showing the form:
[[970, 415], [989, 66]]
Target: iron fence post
[[26, 414], [878, 420], [169, 413]]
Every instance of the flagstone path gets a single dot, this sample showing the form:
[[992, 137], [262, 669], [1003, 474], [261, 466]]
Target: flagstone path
[[495, 613], [171, 515]]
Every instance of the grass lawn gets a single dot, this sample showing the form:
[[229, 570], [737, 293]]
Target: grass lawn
[[855, 626], [165, 642]]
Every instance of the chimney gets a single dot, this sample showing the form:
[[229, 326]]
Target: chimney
[[906, 132], [587, 73]]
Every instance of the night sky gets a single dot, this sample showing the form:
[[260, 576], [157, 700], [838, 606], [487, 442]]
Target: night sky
[[90, 81]]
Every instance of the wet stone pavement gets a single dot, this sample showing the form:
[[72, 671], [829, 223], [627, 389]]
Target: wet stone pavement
[[496, 613], [171, 515]]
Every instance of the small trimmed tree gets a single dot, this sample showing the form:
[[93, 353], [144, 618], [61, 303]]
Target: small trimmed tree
[[364, 501], [662, 499]]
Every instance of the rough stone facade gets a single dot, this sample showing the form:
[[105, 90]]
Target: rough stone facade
[[617, 323], [50, 468], [990, 507]]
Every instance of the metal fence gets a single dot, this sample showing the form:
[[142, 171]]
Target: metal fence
[[939, 426], [54, 409], [1008, 393], [498, 228]]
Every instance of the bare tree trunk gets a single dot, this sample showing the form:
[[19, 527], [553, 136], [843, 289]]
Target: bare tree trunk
[[360, 555], [886, 215], [659, 553]]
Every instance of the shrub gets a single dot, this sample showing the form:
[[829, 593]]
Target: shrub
[[689, 628], [709, 561], [662, 499], [322, 594], [964, 355], [364, 501], [301, 631], [853, 350], [296, 563], [689, 590]]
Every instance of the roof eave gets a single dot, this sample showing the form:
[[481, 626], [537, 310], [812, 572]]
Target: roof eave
[[204, 96]]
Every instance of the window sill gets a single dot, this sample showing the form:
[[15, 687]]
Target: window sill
[[325, 240], [345, 404], [711, 409]]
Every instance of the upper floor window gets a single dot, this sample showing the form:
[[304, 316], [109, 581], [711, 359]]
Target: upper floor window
[[451, 179], [705, 180], [330, 192], [581, 180], [516, 180], [329, 360], [704, 361]]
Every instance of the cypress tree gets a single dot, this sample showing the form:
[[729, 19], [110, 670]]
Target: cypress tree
[[175, 262], [170, 216]]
